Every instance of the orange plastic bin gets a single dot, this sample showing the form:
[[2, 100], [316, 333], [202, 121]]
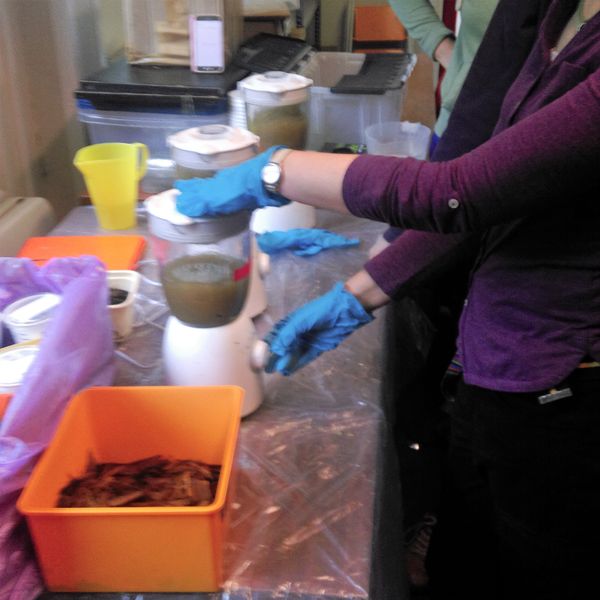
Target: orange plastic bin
[[146, 549]]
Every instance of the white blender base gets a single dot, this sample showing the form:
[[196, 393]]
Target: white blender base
[[257, 301], [213, 356], [282, 218]]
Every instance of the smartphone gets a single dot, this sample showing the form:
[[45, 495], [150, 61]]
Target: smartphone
[[207, 44]]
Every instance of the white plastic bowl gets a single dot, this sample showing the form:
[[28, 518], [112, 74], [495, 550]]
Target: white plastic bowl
[[398, 138]]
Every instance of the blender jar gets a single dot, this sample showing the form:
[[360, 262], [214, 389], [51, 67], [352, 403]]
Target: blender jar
[[204, 263], [201, 151], [277, 108]]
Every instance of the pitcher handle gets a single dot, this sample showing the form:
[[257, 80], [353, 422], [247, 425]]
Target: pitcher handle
[[142, 159]]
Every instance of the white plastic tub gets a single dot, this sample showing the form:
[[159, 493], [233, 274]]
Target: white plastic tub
[[27, 317], [398, 138], [123, 314], [15, 361]]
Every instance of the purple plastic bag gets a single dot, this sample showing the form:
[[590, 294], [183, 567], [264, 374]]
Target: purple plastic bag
[[76, 352]]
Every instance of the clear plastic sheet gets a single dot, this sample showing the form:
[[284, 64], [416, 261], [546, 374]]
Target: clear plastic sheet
[[303, 502]]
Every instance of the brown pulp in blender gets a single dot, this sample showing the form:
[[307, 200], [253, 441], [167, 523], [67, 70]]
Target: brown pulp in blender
[[202, 289], [286, 125]]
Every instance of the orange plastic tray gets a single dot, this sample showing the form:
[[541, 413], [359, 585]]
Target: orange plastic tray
[[117, 252], [146, 549]]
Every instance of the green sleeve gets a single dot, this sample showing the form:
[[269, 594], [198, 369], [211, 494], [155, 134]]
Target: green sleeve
[[421, 22]]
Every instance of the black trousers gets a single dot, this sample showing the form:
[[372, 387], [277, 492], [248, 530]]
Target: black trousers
[[521, 507], [420, 342]]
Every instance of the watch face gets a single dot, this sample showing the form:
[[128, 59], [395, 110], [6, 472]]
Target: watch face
[[271, 173]]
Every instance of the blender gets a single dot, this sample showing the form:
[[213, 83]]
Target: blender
[[277, 111], [205, 269], [201, 152]]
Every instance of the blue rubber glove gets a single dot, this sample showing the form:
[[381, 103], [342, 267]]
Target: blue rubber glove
[[320, 325], [302, 242], [230, 190]]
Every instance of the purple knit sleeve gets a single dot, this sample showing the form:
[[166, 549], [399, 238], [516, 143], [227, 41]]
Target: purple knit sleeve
[[415, 256], [524, 169]]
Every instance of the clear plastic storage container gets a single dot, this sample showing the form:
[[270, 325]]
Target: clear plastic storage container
[[148, 127], [342, 118]]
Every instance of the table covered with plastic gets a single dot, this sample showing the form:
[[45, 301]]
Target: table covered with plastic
[[315, 511]]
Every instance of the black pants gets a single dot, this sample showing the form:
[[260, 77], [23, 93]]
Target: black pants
[[421, 330], [521, 509], [420, 343]]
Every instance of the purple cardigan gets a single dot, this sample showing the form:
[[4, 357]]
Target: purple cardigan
[[532, 191]]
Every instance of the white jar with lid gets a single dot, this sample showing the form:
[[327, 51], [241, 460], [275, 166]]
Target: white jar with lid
[[27, 318], [277, 108], [201, 151]]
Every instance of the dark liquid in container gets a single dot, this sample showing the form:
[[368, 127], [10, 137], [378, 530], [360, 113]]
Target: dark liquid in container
[[201, 290], [117, 296]]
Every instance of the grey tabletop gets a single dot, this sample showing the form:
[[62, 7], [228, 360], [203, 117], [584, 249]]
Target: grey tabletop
[[314, 511]]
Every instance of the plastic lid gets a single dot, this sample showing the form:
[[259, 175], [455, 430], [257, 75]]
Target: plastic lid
[[275, 88], [14, 363], [212, 146], [166, 222]]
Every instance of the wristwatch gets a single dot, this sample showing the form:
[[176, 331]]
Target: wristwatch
[[272, 172]]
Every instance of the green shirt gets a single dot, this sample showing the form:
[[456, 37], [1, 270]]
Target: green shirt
[[424, 25]]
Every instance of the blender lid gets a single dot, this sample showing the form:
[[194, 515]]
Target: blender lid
[[212, 147], [213, 139], [166, 222], [275, 87]]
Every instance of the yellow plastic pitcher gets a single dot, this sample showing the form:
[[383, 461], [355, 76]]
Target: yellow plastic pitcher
[[111, 172]]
